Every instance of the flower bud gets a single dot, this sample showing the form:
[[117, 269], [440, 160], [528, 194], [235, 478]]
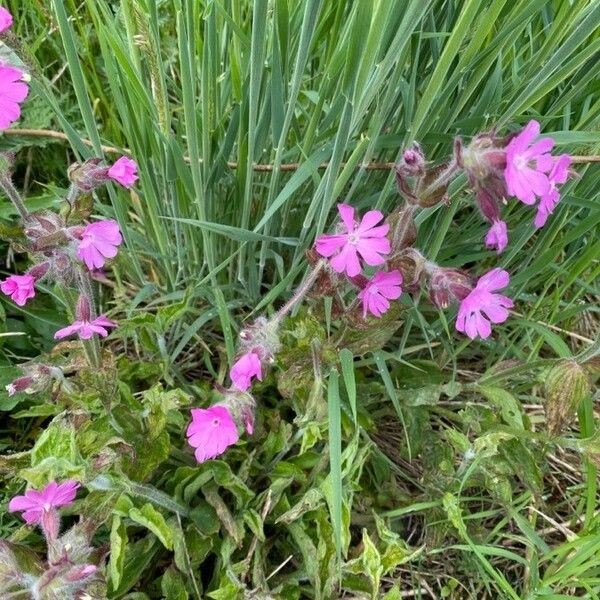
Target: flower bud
[[403, 229], [262, 338], [566, 385], [83, 310], [89, 175], [62, 268], [39, 271], [411, 263], [448, 285], [484, 161], [488, 205], [80, 572], [411, 165], [21, 384], [36, 377], [45, 230]]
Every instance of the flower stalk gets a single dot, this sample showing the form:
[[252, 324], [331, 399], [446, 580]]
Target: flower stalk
[[300, 292], [13, 195]]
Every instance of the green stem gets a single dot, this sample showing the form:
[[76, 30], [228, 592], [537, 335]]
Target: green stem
[[13, 195], [586, 425]]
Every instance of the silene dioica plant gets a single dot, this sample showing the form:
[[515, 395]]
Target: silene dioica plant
[[372, 255]]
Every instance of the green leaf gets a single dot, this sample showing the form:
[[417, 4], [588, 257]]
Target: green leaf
[[335, 456], [172, 585], [150, 518], [510, 408], [347, 362], [118, 544]]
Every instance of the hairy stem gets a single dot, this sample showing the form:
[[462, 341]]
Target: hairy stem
[[300, 291], [13, 195], [91, 346]]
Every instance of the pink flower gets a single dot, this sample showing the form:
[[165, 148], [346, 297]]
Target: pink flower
[[12, 92], [379, 290], [124, 171], [470, 319], [80, 572], [364, 239], [244, 369], [527, 165], [548, 202], [497, 236], [6, 19], [39, 506], [86, 329], [19, 288], [211, 431], [99, 241], [20, 384]]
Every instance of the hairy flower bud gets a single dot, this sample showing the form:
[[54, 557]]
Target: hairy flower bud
[[411, 165], [83, 310], [89, 175], [39, 271], [262, 338], [20, 384], [80, 572], [566, 385], [448, 285], [411, 263], [488, 205], [484, 161], [45, 230], [403, 229], [36, 377]]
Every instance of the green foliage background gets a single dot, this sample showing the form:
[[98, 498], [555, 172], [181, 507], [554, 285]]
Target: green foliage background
[[423, 465]]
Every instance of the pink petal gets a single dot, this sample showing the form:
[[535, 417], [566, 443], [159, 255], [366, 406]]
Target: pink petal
[[484, 328], [346, 260], [460, 320], [246, 367], [471, 325], [371, 250], [6, 19], [104, 322], [527, 134], [327, 245], [560, 170], [33, 516], [369, 221], [390, 292], [20, 503], [347, 215], [93, 329], [376, 232], [493, 280], [16, 92], [69, 330], [539, 148], [65, 493], [392, 278], [495, 313], [91, 257]]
